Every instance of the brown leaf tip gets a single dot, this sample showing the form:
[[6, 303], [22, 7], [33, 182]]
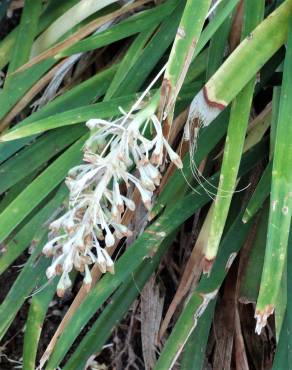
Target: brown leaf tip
[[262, 316], [207, 265]]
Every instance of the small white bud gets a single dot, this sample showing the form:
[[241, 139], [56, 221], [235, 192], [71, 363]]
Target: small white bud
[[129, 204], [101, 260], [50, 247], [109, 262], [51, 272], [87, 281], [174, 157], [109, 239], [63, 284]]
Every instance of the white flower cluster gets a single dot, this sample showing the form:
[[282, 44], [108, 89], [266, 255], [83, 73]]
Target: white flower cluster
[[93, 221]]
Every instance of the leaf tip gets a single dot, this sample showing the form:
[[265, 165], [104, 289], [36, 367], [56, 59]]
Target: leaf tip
[[262, 316], [207, 265]]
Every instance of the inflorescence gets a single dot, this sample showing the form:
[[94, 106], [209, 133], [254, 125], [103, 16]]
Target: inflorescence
[[93, 221]]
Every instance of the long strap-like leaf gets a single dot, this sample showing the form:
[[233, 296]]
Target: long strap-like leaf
[[280, 201]]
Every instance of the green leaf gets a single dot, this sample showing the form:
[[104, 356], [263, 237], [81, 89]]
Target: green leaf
[[193, 356], [275, 115], [182, 52], [36, 154], [260, 194], [36, 315], [32, 276], [288, 325], [236, 132], [232, 155], [25, 35], [25, 236], [250, 282], [152, 53], [20, 84], [280, 200], [218, 43], [128, 61], [82, 94], [222, 13], [71, 117], [17, 189], [281, 357], [21, 207]]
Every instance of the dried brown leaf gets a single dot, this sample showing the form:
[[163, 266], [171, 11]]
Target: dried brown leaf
[[151, 313]]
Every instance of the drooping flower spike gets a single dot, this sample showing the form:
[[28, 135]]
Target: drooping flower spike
[[92, 223]]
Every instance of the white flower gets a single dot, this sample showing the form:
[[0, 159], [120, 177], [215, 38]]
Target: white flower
[[92, 223], [87, 278], [101, 261], [63, 284], [109, 262], [52, 245]]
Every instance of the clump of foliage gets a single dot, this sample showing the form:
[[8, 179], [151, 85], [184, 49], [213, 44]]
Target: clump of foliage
[[145, 161]]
